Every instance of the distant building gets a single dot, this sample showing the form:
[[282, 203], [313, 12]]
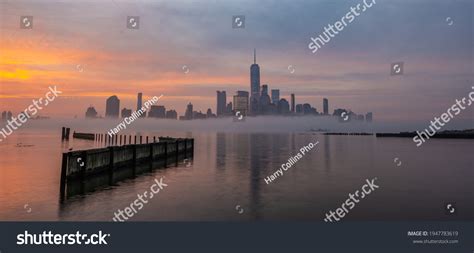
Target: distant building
[[112, 107], [306, 108], [126, 113], [360, 117], [188, 115], [139, 100], [283, 106], [228, 109], [325, 106], [368, 117], [299, 108], [275, 96], [221, 103], [91, 113], [241, 102], [157, 111], [171, 114], [198, 115], [345, 115], [7, 115], [139, 103], [338, 112], [209, 114], [254, 104], [352, 115], [293, 103], [265, 101]]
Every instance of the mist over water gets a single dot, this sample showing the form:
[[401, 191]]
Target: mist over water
[[248, 124]]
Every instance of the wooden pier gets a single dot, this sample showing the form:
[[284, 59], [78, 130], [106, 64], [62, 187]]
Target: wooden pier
[[79, 166]]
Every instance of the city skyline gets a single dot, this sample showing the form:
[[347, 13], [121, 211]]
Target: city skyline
[[257, 104]]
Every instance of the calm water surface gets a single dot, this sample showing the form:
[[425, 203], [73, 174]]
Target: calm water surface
[[228, 169]]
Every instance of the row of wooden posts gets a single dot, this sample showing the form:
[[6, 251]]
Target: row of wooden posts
[[108, 140], [124, 139]]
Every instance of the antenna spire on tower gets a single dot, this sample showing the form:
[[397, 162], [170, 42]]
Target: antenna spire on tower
[[254, 56]]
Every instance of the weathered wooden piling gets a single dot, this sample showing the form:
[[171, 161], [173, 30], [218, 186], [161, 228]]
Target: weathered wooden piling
[[65, 132], [63, 176], [111, 163]]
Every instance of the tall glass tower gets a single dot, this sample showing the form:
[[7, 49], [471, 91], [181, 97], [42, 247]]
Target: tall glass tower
[[254, 85], [254, 76]]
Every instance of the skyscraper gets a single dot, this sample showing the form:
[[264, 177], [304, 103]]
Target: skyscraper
[[254, 84], [112, 107], [264, 89], [254, 75], [139, 101], [325, 106], [264, 103], [275, 96], [241, 102], [293, 103], [221, 103]]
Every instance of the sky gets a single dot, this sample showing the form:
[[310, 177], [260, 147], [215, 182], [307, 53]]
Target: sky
[[86, 50]]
